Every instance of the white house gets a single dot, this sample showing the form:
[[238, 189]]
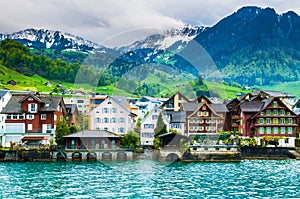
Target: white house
[[148, 125], [146, 104], [112, 116], [5, 96]]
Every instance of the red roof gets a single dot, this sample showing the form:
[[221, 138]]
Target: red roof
[[35, 138]]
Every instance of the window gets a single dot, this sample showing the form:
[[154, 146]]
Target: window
[[192, 128], [8, 117], [113, 120], [105, 110], [201, 120], [282, 112], [122, 120], [32, 108], [43, 116], [275, 104], [267, 112], [121, 130], [290, 130], [290, 120], [261, 121], [275, 130], [105, 129], [282, 120], [175, 126], [113, 110], [199, 113], [208, 121], [275, 112], [205, 113], [29, 127], [154, 117], [201, 128], [282, 130], [261, 130], [105, 120], [268, 121], [286, 141], [98, 120], [207, 128], [21, 116], [149, 126], [30, 117]]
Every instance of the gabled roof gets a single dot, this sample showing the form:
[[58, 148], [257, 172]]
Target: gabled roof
[[200, 97], [116, 101], [155, 108], [14, 105], [120, 99], [30, 95], [3, 92], [276, 93], [219, 108], [72, 107], [177, 93], [251, 106], [267, 102], [93, 134], [209, 107], [177, 116], [190, 107]]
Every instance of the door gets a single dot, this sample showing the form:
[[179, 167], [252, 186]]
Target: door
[[113, 144]]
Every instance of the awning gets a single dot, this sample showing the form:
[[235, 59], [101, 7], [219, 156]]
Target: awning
[[35, 138]]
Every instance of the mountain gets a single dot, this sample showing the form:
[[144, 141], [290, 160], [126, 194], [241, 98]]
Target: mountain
[[255, 46], [174, 39], [56, 40]]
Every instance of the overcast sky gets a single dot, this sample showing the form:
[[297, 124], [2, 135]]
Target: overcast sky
[[105, 20]]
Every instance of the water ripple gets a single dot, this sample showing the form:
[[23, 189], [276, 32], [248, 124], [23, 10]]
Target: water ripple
[[150, 179]]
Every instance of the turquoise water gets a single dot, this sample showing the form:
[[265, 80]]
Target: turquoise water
[[150, 179]]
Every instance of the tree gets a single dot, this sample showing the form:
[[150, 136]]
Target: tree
[[62, 129], [160, 129], [131, 140]]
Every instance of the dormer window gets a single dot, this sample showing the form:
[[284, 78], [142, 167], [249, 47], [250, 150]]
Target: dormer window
[[32, 108], [30, 99]]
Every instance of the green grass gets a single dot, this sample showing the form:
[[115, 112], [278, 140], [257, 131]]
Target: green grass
[[168, 85], [289, 87]]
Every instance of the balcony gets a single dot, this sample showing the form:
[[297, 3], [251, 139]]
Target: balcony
[[235, 117]]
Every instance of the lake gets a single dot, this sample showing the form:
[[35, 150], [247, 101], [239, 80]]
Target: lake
[[150, 179]]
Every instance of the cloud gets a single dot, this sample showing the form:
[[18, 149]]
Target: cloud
[[106, 20]]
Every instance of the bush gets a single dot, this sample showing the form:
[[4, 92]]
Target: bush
[[297, 142]]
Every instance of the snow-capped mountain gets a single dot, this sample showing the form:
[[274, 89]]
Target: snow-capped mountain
[[52, 40], [174, 39]]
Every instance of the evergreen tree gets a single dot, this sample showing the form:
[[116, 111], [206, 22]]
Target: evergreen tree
[[160, 129]]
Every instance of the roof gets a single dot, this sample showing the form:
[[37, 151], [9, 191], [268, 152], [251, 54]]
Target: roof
[[251, 106], [120, 99], [176, 116], [190, 107], [219, 108], [165, 102], [72, 107], [93, 134], [276, 93], [3, 92], [14, 105], [172, 133], [35, 138]]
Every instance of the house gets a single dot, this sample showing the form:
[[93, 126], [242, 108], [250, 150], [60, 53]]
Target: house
[[5, 96], [148, 124], [112, 116], [96, 139], [32, 118], [12, 82], [269, 119], [81, 102], [175, 120], [145, 104], [174, 102], [48, 84], [206, 120], [73, 114]]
